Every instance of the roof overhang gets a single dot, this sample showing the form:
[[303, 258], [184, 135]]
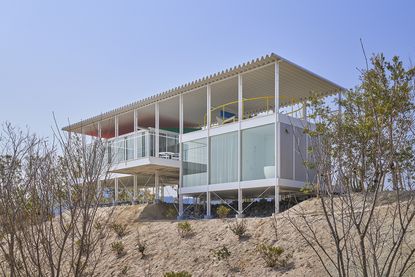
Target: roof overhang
[[321, 86]]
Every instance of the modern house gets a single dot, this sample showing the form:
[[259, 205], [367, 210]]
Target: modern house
[[237, 134]]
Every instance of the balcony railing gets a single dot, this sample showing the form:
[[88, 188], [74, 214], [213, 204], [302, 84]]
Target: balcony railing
[[143, 144]]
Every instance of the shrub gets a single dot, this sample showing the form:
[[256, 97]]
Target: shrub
[[239, 228], [119, 229], [223, 211], [170, 212], [177, 274], [124, 270], [118, 248], [141, 245], [222, 254], [272, 255], [184, 229]]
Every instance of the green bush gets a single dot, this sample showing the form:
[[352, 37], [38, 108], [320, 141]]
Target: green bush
[[223, 211], [119, 229], [141, 245], [272, 255], [177, 274], [118, 248], [222, 254], [239, 228], [184, 229]]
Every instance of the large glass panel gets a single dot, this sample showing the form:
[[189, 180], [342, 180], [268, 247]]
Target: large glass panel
[[223, 158], [195, 163], [258, 153], [129, 146]]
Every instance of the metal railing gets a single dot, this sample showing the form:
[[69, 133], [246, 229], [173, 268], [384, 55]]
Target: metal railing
[[142, 144], [265, 105]]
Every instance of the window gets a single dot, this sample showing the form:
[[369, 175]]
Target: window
[[258, 153], [195, 163], [224, 158]]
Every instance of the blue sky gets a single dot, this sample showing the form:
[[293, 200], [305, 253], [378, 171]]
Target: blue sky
[[81, 58]]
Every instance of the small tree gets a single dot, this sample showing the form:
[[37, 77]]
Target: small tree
[[222, 211], [184, 229], [272, 255], [239, 228]]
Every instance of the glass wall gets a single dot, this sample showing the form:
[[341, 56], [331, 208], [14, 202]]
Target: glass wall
[[195, 163], [224, 158], [258, 153]]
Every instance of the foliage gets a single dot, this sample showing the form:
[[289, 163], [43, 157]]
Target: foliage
[[238, 228], [272, 255], [124, 270], [119, 229], [170, 212], [184, 229], [118, 248], [222, 254], [141, 245], [362, 151], [223, 211]]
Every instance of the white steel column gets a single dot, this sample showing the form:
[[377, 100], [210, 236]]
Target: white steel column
[[180, 206], [208, 115], [134, 189], [277, 137], [116, 191], [208, 206], [240, 117], [157, 185], [117, 132], [157, 110], [99, 130], [135, 132], [240, 202], [179, 186], [208, 120]]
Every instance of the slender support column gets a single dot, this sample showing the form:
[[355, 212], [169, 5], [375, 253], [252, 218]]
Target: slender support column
[[157, 142], [135, 189], [99, 130], [180, 216], [117, 131], [208, 206], [157, 185], [240, 204], [116, 191], [135, 131], [277, 136], [240, 117], [162, 193], [208, 120]]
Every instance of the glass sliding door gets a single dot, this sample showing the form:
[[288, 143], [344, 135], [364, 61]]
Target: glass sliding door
[[195, 163], [224, 158], [258, 153]]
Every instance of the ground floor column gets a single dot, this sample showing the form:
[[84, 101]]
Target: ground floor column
[[240, 204], [208, 206], [277, 198], [180, 216], [115, 191], [157, 186], [135, 189], [162, 193]]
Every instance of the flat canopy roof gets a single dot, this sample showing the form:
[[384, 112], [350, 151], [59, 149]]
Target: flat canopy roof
[[295, 81]]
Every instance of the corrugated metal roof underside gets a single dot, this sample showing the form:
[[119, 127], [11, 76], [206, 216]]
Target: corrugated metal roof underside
[[295, 82]]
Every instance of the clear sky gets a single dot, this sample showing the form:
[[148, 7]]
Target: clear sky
[[81, 58]]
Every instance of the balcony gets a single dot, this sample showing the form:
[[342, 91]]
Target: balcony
[[137, 152]]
